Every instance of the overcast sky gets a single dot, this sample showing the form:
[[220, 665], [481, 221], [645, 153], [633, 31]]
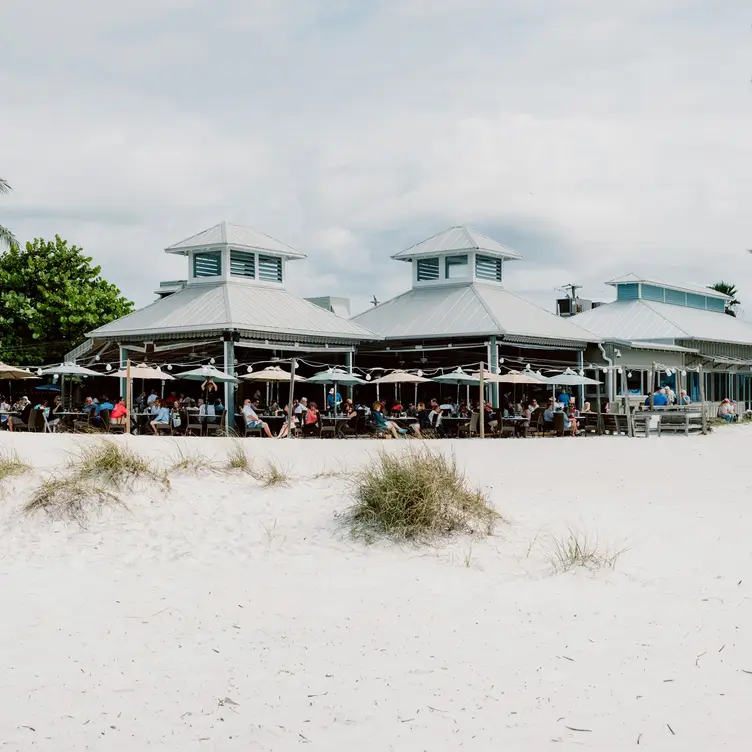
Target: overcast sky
[[596, 138]]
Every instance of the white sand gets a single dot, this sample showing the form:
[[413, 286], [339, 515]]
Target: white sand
[[130, 634]]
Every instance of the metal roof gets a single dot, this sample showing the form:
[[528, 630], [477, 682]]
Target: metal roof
[[646, 320], [236, 236], [261, 311], [456, 239], [468, 310], [697, 289]]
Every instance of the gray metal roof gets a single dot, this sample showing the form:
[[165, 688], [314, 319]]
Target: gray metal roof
[[468, 310], [261, 311], [632, 278], [456, 239], [236, 236], [646, 320]]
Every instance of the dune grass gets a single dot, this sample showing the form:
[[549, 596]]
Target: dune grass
[[418, 495], [69, 498], [237, 459], [11, 465], [113, 464], [272, 474], [191, 462], [577, 549]]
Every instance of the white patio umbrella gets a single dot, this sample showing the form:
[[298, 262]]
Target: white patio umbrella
[[13, 373], [458, 377], [70, 369], [207, 372], [143, 372], [270, 374], [570, 378], [401, 377]]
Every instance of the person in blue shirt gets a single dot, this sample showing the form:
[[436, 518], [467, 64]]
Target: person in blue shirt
[[161, 416], [564, 400], [105, 404], [333, 400], [659, 399]]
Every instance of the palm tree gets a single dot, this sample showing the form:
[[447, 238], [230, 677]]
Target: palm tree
[[731, 291], [6, 236]]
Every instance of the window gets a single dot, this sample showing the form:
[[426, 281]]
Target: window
[[242, 264], [651, 292], [630, 291], [428, 269], [270, 268], [695, 301], [207, 264], [488, 267], [716, 304], [456, 267], [676, 297]]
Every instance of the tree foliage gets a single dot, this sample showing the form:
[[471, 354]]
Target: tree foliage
[[727, 289], [7, 238], [50, 296]]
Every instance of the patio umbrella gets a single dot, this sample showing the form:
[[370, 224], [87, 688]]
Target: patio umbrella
[[518, 377], [270, 374], [143, 372], [458, 377], [335, 376], [401, 377], [208, 372], [570, 378], [12, 373], [70, 369], [47, 388]]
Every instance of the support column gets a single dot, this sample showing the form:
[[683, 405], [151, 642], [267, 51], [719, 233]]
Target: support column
[[121, 367], [229, 368], [349, 364], [493, 360], [581, 364]]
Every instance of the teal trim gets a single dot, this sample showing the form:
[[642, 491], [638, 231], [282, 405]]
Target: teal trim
[[716, 304], [628, 292], [676, 297], [651, 292], [696, 301]]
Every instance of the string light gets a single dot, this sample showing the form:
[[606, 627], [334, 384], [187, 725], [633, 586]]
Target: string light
[[212, 361], [169, 366], [249, 369], [420, 372], [108, 367], [368, 377]]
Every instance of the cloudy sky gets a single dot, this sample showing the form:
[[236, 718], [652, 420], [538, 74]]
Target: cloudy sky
[[596, 138]]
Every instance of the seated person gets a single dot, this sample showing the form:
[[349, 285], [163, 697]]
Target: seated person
[[490, 422], [312, 420], [382, 425], [117, 414], [422, 415], [726, 411], [284, 430], [548, 413], [161, 416], [521, 426], [252, 419]]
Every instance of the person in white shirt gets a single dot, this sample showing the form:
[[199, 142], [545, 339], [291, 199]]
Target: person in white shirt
[[151, 398], [252, 420], [684, 398], [301, 407]]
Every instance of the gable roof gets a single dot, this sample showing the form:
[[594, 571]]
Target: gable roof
[[456, 239], [469, 310], [646, 320], [632, 278], [237, 236], [255, 311]]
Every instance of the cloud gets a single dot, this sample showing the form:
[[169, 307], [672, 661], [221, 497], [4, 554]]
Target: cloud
[[595, 138]]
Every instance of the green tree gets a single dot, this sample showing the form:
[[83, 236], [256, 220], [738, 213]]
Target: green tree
[[731, 291], [50, 296], [6, 236]]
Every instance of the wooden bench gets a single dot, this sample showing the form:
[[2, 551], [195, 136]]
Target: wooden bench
[[684, 421]]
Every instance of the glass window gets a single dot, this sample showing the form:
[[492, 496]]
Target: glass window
[[208, 264], [428, 269], [270, 268], [242, 264], [456, 267]]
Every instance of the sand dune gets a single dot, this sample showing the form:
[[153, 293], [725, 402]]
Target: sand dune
[[221, 615]]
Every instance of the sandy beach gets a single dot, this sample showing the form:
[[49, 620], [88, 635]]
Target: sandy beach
[[222, 615]]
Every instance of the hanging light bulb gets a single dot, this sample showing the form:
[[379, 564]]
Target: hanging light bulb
[[108, 367], [97, 358], [56, 377], [212, 361], [668, 372], [582, 373], [368, 377], [605, 370], [420, 372], [501, 361], [169, 366], [629, 374], [39, 371], [684, 373], [249, 369]]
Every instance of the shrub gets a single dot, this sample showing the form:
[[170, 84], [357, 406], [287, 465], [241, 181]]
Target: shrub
[[11, 465], [417, 495], [112, 464], [69, 498], [576, 549]]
